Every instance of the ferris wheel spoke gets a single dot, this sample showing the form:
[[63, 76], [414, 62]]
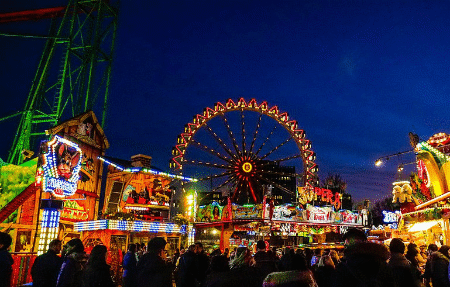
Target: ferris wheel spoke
[[296, 175], [237, 191], [251, 191], [223, 184], [255, 134], [276, 148], [220, 141], [243, 133], [276, 185], [266, 140], [284, 159], [208, 164], [211, 151], [215, 176], [230, 134]]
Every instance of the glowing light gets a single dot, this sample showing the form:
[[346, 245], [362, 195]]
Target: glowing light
[[133, 226], [247, 167], [148, 170], [420, 226], [52, 181], [49, 229], [378, 162]]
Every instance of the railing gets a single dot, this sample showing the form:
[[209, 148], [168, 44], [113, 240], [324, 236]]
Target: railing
[[21, 273]]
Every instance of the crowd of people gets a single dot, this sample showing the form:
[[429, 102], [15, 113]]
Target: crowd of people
[[361, 263]]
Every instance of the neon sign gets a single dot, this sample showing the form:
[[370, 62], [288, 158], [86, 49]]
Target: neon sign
[[61, 165], [308, 194], [391, 217]]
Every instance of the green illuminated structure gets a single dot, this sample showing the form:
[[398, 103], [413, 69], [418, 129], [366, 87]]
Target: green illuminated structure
[[74, 71]]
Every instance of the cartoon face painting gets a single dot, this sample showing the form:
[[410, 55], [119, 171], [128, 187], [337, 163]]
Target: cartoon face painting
[[67, 159]]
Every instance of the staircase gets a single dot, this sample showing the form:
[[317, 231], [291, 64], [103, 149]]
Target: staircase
[[14, 204]]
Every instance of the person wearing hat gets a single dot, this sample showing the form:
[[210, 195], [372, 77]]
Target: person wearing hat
[[152, 269]]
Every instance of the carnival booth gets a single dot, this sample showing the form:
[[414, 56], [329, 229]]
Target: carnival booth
[[51, 192], [136, 207], [424, 199], [311, 226]]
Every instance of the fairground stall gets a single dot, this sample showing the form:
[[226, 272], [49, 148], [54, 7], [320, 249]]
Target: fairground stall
[[310, 226], [51, 192], [135, 210], [424, 198]]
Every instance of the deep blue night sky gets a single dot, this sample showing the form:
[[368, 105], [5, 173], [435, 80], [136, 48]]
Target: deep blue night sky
[[356, 75]]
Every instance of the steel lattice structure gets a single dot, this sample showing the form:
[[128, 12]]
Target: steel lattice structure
[[242, 163], [74, 71]]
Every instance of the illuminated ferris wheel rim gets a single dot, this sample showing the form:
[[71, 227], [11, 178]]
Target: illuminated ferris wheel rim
[[247, 166]]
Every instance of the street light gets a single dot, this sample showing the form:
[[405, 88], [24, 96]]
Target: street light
[[380, 160]]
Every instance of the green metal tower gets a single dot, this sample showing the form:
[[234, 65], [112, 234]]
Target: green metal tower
[[74, 71]]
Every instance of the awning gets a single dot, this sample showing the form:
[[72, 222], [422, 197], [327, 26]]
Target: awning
[[420, 226]]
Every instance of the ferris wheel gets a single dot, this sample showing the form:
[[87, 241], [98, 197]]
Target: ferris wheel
[[241, 148]]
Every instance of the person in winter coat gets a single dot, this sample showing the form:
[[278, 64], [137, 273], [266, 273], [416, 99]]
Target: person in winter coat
[[202, 261], [263, 261], [240, 274], [70, 274], [6, 260], [152, 270], [187, 268], [46, 267], [364, 263], [404, 272], [439, 267], [325, 271], [427, 274], [297, 275], [97, 272], [129, 267]]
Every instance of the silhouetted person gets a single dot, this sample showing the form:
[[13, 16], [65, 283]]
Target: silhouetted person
[[263, 261], [427, 273], [439, 267], [218, 268], [364, 263], [240, 274], [152, 269], [97, 272], [402, 269], [202, 263], [74, 262], [46, 267], [6, 260], [286, 260], [298, 275], [187, 268], [129, 267], [325, 271]]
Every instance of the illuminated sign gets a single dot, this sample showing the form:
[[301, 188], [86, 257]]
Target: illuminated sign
[[73, 211], [124, 225], [319, 214], [247, 167], [210, 212], [61, 165], [247, 211], [391, 217], [306, 195]]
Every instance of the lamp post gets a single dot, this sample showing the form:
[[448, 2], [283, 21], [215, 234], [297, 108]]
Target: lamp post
[[381, 160]]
